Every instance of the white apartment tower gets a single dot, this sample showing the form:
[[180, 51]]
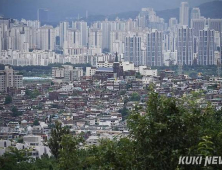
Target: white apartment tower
[[185, 45], [63, 27], [95, 38], [133, 52], [83, 28], [215, 24], [195, 13], [184, 13], [46, 38], [154, 48], [206, 47], [173, 22], [117, 39], [106, 28], [197, 25], [73, 38]]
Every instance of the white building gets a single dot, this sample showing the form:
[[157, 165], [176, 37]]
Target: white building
[[46, 38], [185, 46], [206, 47], [32, 140], [197, 25], [133, 50], [195, 13], [4, 144], [74, 38], [184, 13], [83, 28], [66, 73], [63, 27], [127, 66], [105, 64], [146, 71], [95, 38], [154, 53], [10, 78], [90, 71]]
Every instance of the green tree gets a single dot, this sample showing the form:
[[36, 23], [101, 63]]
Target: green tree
[[54, 142], [15, 112], [15, 159], [115, 154], [69, 153], [135, 97], [124, 112], [138, 75], [169, 129], [8, 99], [20, 160], [32, 94], [45, 163], [36, 123]]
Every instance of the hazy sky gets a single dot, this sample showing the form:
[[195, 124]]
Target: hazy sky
[[70, 8]]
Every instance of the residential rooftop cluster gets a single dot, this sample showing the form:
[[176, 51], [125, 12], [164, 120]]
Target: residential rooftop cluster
[[96, 102]]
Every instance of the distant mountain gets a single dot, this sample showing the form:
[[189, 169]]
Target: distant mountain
[[60, 10], [208, 10], [211, 9]]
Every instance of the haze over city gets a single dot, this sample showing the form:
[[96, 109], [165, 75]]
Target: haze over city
[[110, 84], [60, 9]]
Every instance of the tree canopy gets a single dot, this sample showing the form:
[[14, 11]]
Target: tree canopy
[[8, 99]]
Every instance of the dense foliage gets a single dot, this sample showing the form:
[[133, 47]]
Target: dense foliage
[[170, 128], [8, 99]]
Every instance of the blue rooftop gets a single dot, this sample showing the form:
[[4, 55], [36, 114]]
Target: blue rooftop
[[103, 69]]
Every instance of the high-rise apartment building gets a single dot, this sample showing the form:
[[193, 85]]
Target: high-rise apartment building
[[154, 48], [215, 24], [46, 38], [117, 39], [73, 38], [206, 47], [133, 50], [106, 28], [5, 26], [195, 13], [63, 27], [95, 38], [173, 23], [197, 25], [184, 13], [185, 45], [83, 28]]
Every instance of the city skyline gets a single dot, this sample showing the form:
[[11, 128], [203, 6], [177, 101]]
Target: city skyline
[[147, 40], [71, 9]]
